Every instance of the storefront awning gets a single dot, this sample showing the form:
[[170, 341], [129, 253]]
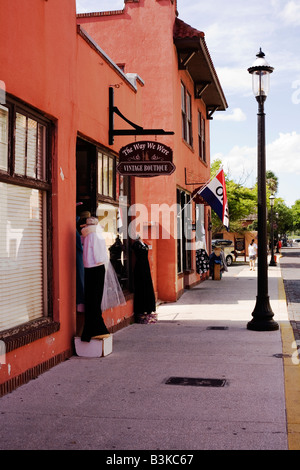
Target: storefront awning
[[193, 56]]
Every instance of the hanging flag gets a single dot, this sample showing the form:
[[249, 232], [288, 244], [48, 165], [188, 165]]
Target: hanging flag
[[215, 195]]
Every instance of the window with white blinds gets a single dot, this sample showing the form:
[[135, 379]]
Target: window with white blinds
[[22, 256], [23, 215]]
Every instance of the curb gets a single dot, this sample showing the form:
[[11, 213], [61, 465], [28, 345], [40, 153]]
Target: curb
[[291, 366]]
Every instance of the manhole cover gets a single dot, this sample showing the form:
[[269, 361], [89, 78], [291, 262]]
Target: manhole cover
[[217, 328], [198, 382]]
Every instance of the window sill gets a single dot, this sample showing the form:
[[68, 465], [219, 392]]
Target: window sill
[[27, 333], [203, 162], [188, 145]]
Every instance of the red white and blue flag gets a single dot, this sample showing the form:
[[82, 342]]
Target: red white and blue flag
[[215, 195]]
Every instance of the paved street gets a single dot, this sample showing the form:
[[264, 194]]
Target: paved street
[[290, 269]]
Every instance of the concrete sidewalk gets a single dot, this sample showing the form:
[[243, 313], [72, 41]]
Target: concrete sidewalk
[[122, 401]]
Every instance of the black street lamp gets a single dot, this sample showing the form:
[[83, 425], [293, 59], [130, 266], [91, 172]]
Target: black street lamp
[[262, 314], [272, 261], [277, 237]]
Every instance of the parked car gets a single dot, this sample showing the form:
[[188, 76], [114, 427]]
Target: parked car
[[228, 248]]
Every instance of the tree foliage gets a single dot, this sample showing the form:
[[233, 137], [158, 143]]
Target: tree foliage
[[295, 210], [282, 217], [242, 205], [272, 182]]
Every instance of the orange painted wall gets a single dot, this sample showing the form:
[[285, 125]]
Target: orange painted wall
[[36, 50], [45, 63], [92, 102], [142, 38], [94, 77]]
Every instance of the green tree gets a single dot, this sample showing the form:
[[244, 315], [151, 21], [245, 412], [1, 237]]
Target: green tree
[[295, 210], [282, 217], [241, 203], [272, 182]]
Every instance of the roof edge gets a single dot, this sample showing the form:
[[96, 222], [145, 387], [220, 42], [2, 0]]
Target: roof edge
[[213, 71], [100, 13], [195, 39], [128, 79], [183, 30]]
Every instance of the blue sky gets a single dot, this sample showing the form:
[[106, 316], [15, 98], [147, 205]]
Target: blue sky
[[234, 32]]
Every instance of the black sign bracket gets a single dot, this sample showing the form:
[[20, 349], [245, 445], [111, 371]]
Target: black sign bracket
[[137, 130]]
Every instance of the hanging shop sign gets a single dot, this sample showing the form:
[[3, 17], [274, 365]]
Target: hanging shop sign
[[145, 158]]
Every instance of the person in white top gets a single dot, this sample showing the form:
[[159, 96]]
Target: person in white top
[[95, 257], [252, 252]]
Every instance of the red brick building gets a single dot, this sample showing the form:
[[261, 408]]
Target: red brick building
[[57, 119], [181, 93], [53, 116]]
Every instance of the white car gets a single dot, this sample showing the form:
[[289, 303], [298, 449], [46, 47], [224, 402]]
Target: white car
[[228, 248]]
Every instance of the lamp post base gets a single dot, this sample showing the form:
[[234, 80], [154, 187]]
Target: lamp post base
[[262, 325], [272, 263], [262, 317]]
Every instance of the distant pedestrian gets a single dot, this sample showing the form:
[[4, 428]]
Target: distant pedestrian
[[279, 245], [252, 252]]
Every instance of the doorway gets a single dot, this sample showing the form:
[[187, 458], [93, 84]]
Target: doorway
[[86, 172]]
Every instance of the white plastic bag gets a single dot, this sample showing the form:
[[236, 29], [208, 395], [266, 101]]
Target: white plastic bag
[[112, 291]]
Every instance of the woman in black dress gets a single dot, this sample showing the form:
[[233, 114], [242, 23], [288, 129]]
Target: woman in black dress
[[144, 297]]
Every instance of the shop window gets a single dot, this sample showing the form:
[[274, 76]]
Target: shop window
[[184, 259], [201, 137], [186, 115], [106, 175], [105, 193], [112, 214], [200, 226], [24, 208]]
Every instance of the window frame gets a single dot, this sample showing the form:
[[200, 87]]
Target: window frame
[[184, 256], [10, 176], [189, 119], [120, 193], [186, 115], [202, 137], [32, 330]]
